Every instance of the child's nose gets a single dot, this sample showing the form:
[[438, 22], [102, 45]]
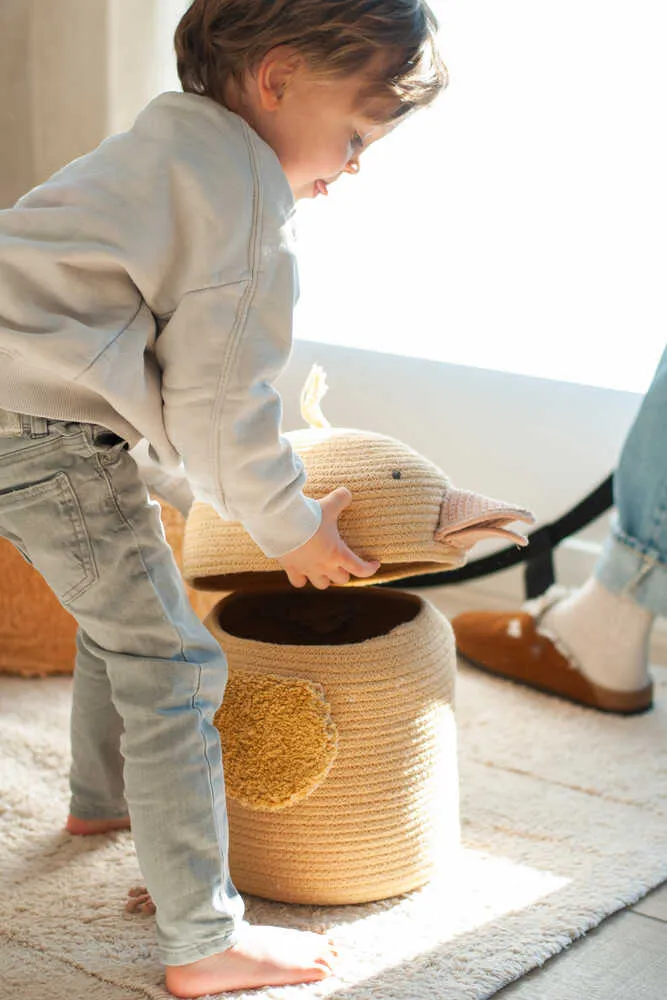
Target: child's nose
[[353, 166]]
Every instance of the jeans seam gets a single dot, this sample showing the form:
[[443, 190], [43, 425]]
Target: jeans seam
[[108, 810], [104, 473], [83, 541], [203, 948], [42, 444], [209, 768], [659, 508], [647, 552]]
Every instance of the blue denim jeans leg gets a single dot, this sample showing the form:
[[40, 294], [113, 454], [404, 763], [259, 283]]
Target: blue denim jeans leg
[[149, 676], [634, 558]]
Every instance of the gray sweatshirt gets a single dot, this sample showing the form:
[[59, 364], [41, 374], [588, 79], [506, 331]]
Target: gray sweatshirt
[[149, 287]]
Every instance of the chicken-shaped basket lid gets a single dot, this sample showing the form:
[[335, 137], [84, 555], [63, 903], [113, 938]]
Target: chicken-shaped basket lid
[[404, 511]]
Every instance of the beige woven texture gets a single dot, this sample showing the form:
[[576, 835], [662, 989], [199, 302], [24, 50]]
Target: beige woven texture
[[404, 510], [37, 635], [391, 519], [386, 813]]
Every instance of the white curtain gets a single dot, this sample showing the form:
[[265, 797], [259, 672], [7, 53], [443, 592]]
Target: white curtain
[[73, 72]]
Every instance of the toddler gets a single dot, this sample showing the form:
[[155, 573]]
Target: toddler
[[146, 295]]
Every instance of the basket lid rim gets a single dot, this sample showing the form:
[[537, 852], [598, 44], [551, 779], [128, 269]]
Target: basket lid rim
[[277, 579]]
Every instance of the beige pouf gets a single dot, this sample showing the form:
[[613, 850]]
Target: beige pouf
[[37, 635], [339, 742]]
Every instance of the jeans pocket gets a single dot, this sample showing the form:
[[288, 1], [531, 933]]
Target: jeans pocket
[[46, 524]]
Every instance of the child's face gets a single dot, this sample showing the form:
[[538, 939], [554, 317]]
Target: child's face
[[318, 128]]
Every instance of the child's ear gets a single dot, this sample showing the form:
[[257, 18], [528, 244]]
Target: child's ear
[[275, 73]]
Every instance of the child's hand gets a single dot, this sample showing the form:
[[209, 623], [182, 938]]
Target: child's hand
[[325, 558]]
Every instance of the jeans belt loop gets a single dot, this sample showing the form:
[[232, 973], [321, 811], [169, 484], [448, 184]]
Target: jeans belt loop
[[34, 427], [10, 424]]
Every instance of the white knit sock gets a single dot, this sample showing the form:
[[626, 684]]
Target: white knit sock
[[607, 634]]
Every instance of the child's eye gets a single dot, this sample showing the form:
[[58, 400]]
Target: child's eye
[[357, 140]]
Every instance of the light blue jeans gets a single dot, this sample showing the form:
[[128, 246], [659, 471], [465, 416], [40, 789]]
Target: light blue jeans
[[149, 676], [634, 559]]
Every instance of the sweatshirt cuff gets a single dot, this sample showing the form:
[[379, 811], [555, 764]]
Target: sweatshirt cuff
[[288, 530]]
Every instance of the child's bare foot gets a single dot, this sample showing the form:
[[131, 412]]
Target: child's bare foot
[[264, 956], [140, 901], [84, 827]]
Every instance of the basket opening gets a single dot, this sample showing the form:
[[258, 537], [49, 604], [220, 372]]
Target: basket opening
[[333, 617]]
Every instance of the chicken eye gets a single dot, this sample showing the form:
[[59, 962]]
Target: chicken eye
[[396, 474]]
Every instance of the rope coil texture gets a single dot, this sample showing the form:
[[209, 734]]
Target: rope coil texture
[[385, 813]]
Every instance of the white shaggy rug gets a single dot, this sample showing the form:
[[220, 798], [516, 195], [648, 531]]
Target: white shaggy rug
[[564, 816]]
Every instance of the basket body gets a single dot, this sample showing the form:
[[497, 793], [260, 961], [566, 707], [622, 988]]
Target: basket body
[[386, 814], [37, 635]]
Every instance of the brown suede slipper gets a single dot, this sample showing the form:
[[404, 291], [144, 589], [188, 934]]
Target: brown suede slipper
[[508, 644]]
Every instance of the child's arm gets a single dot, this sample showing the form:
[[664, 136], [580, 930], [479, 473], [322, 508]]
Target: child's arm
[[220, 354]]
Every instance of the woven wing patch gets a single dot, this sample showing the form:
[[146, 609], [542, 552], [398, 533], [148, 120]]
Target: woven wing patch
[[278, 738]]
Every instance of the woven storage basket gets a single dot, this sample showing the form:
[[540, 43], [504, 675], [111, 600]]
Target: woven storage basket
[[37, 635], [405, 511], [382, 523], [337, 724], [339, 742]]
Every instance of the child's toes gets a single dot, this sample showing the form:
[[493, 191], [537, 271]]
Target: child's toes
[[138, 890], [140, 901]]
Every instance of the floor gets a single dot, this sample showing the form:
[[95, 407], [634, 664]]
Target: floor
[[625, 957]]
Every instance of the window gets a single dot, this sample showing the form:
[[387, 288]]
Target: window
[[518, 225]]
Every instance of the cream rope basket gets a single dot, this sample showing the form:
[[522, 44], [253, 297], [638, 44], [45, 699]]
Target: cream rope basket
[[337, 725], [37, 635], [339, 743], [404, 512]]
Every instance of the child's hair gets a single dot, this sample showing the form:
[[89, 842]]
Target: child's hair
[[219, 40]]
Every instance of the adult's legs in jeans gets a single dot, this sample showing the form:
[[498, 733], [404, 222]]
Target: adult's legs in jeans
[[606, 624], [591, 646], [634, 561]]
